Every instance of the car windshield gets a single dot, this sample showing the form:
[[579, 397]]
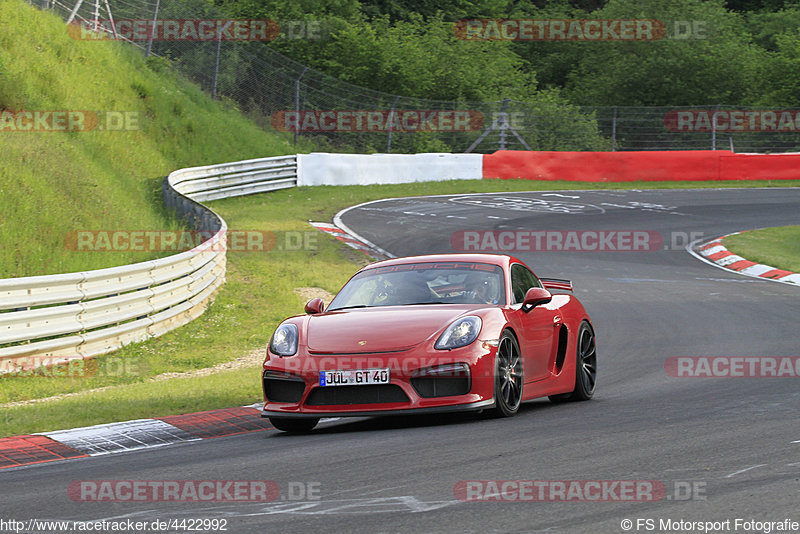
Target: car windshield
[[423, 283]]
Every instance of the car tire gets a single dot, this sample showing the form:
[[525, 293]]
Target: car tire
[[585, 367], [295, 425], [508, 377]]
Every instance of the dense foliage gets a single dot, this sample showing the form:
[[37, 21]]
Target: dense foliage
[[739, 52]]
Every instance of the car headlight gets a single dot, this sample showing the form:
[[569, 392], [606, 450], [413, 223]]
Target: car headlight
[[284, 340], [460, 333]]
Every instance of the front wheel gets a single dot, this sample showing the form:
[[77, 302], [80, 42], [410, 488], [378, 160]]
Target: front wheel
[[508, 376], [295, 425], [585, 367]]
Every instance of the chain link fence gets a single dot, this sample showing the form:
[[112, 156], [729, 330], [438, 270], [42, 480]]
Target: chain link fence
[[284, 95]]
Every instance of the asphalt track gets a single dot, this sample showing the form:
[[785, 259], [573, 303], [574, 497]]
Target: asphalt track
[[736, 440]]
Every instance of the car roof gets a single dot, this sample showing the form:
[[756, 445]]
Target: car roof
[[495, 259]]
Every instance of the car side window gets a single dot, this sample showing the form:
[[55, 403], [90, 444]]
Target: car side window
[[522, 279]]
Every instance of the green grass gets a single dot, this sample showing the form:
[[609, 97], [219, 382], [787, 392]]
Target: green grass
[[52, 183], [259, 293], [777, 247], [149, 399]]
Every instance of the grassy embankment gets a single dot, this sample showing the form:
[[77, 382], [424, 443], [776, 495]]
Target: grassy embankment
[[53, 182]]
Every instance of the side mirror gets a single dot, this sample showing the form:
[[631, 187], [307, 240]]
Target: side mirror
[[535, 296], [315, 306]]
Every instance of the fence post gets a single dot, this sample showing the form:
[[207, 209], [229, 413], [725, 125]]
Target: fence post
[[614, 130], [152, 31], [503, 125], [714, 128], [216, 65], [391, 122], [297, 103]]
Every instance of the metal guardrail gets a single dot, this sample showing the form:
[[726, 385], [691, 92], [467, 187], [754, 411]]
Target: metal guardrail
[[235, 179], [57, 318]]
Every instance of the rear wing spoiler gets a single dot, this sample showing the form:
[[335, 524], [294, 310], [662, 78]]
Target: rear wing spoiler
[[557, 283]]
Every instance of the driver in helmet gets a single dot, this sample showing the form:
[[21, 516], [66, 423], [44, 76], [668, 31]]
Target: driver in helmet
[[482, 288]]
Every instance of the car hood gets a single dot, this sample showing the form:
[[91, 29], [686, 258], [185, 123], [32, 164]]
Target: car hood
[[383, 329]]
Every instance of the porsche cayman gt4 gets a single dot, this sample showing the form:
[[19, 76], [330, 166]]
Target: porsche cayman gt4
[[425, 334]]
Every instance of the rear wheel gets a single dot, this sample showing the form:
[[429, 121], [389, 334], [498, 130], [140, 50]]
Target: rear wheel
[[508, 376], [585, 367], [294, 424]]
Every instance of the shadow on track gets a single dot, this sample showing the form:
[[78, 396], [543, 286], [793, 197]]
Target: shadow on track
[[396, 422]]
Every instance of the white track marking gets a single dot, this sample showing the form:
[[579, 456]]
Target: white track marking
[[337, 220], [740, 471], [559, 195]]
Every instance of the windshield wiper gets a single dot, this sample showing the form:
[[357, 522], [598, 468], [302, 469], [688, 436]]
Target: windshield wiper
[[349, 307], [420, 303]]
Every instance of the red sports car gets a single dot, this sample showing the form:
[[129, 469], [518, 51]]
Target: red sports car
[[427, 334]]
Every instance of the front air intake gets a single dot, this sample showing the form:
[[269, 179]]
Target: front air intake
[[338, 395], [442, 381], [279, 387]]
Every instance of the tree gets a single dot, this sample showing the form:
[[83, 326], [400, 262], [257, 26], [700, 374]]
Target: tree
[[717, 64]]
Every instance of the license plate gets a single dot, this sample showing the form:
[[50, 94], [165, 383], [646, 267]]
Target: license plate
[[354, 377]]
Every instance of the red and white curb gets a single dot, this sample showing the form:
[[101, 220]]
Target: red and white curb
[[127, 436], [714, 252], [352, 240]]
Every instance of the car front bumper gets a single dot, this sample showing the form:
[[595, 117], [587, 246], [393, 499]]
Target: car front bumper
[[298, 377]]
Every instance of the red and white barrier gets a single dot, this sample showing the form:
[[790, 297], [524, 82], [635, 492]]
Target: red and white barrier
[[640, 166], [648, 166], [365, 169]]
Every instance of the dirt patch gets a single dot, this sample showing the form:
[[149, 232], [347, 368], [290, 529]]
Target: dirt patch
[[308, 293], [254, 359]]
